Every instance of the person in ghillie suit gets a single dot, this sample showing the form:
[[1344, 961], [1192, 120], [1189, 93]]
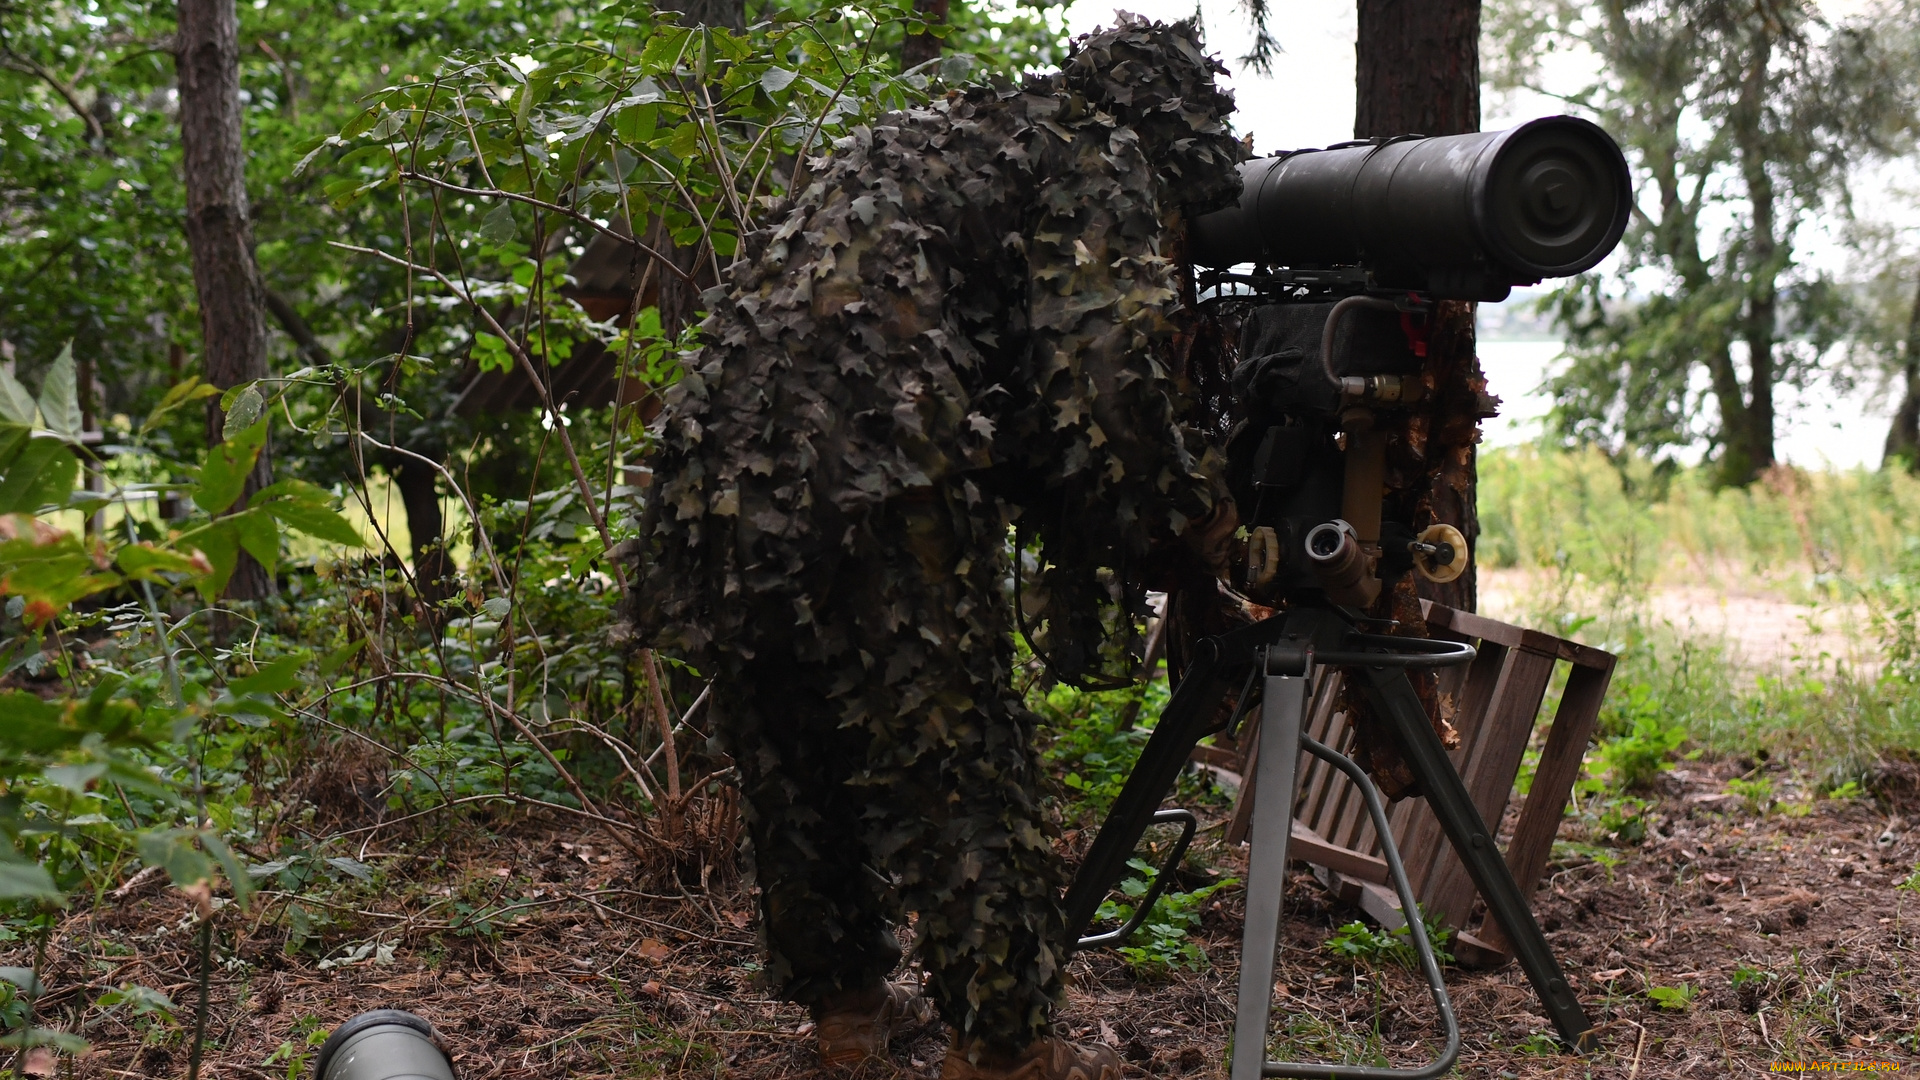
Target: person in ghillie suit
[[966, 324]]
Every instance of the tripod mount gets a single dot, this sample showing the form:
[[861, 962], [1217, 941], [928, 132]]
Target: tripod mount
[[1281, 653]]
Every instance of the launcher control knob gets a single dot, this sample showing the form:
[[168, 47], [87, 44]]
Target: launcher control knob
[[1440, 554]]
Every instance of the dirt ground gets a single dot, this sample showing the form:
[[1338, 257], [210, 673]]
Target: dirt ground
[[587, 975], [1763, 632]]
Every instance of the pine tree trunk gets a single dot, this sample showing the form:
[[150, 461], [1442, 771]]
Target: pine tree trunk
[[728, 14], [420, 495], [1417, 71], [1903, 435], [233, 325], [917, 49]]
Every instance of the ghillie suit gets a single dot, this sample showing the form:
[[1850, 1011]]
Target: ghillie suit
[[965, 325]]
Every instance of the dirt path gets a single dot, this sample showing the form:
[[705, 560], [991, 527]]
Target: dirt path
[[1761, 631], [538, 957]]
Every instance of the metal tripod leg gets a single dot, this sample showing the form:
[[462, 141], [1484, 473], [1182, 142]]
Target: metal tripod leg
[[1283, 710], [1282, 705], [1393, 698]]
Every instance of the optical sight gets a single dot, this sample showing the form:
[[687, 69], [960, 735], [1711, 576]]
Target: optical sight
[[1456, 217]]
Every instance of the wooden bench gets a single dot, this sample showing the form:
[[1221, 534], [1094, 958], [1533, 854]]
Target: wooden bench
[[1498, 700]]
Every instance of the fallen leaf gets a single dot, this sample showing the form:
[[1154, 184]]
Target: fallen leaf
[[655, 949], [1608, 975]]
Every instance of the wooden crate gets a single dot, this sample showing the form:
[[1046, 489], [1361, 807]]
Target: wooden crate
[[1497, 699]]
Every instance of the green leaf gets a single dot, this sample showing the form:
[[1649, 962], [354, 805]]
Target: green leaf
[[25, 979], [16, 405], [44, 474], [141, 1000], [776, 79], [237, 876], [146, 562], [276, 677], [13, 437], [192, 389], [33, 727], [27, 881], [243, 411], [498, 226], [316, 521], [224, 475], [351, 867], [334, 660], [258, 536], [173, 850], [60, 397]]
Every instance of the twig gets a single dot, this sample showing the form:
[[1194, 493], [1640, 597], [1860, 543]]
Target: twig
[[533, 376], [575, 215], [1642, 1045]]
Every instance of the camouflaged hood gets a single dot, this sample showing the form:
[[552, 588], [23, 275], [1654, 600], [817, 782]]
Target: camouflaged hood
[[1155, 79]]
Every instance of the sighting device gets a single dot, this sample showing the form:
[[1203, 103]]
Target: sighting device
[[1334, 259]]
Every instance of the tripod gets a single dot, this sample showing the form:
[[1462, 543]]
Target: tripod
[[1282, 651]]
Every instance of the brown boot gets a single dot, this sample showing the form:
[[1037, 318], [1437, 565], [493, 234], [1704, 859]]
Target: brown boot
[[1049, 1058], [855, 1025]]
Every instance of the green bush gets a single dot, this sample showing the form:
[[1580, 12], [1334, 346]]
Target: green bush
[[1168, 944]]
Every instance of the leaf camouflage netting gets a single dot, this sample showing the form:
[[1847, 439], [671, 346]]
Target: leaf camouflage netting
[[968, 322]]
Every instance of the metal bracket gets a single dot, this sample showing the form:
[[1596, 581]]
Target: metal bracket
[[1161, 879]]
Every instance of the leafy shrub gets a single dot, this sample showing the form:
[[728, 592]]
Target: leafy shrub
[[1358, 943], [1673, 998], [1632, 759], [1756, 794], [1168, 945]]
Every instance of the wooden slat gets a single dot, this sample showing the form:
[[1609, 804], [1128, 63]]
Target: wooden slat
[[1491, 764], [1553, 781], [1323, 780], [1468, 624], [1418, 831], [1312, 847]]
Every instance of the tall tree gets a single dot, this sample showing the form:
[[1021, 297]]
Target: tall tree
[[1903, 434], [1417, 71], [1758, 107], [220, 229]]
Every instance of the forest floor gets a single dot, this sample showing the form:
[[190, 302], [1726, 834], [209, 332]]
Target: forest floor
[[1783, 936]]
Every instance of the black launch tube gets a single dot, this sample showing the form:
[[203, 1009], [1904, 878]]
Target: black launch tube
[[1457, 216]]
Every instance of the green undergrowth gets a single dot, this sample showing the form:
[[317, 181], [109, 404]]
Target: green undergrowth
[[1599, 539]]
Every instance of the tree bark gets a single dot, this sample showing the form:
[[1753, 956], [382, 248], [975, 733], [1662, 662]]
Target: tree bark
[[1417, 68], [1903, 435], [1758, 323], [219, 231], [420, 495], [725, 14], [917, 49], [1417, 71]]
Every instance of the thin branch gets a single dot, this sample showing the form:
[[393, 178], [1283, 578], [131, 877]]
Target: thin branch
[[526, 364], [495, 193], [26, 65]]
